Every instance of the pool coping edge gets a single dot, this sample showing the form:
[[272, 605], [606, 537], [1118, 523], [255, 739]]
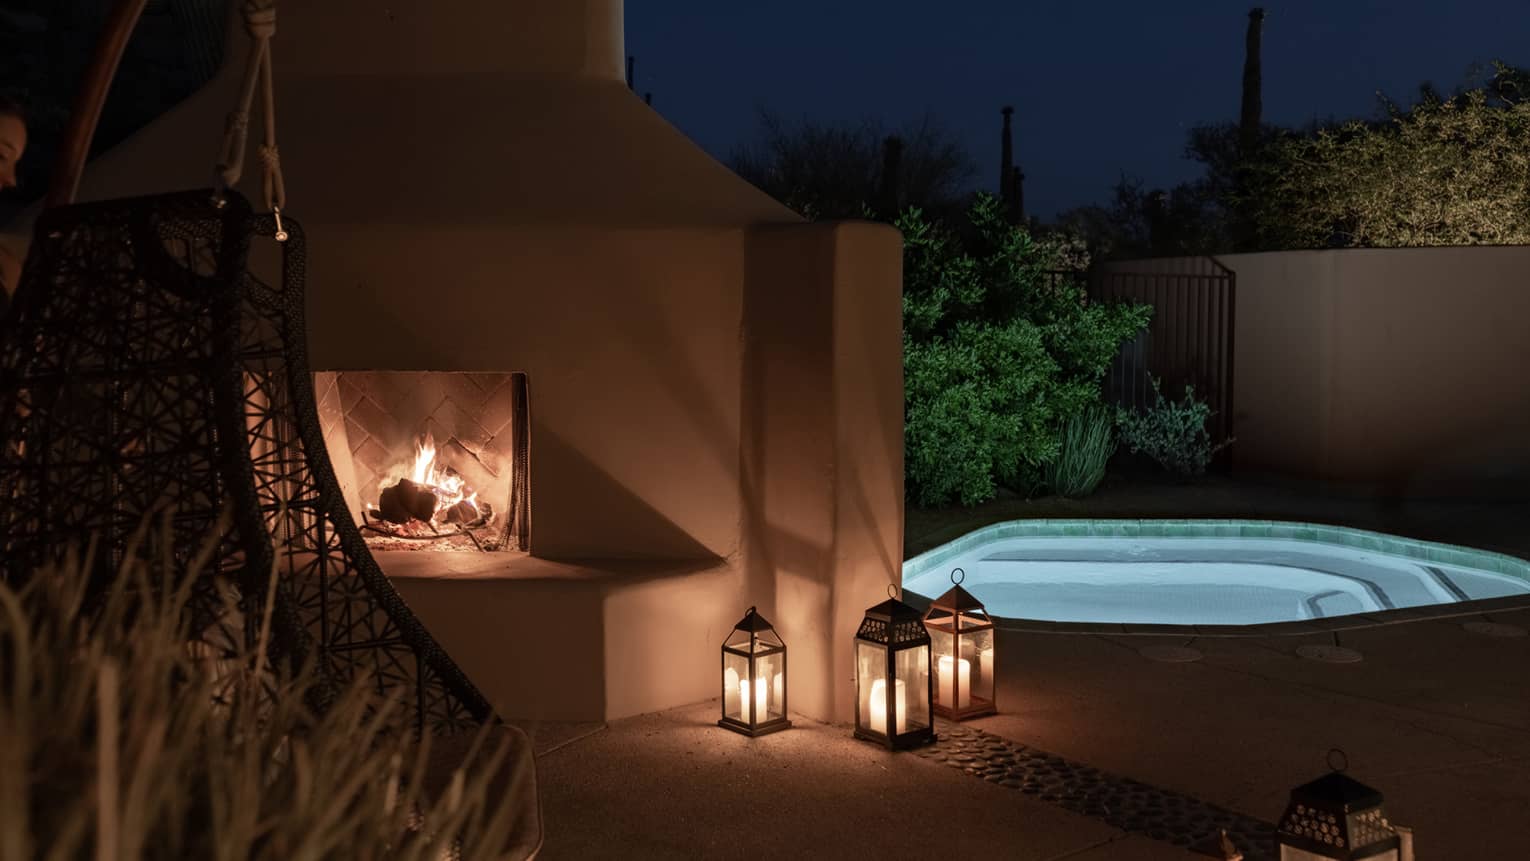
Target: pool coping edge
[[1344, 536]]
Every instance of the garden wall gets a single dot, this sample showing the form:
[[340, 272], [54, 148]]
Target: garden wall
[[1400, 372]]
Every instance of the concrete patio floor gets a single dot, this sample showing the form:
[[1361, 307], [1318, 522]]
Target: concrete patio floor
[[1435, 716]]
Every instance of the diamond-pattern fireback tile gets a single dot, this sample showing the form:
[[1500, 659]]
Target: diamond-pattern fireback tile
[[386, 413]]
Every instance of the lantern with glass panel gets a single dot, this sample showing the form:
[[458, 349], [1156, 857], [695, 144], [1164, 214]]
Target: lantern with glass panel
[[892, 677], [1338, 818], [754, 678], [961, 639]]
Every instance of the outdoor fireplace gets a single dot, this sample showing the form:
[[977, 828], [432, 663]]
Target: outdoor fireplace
[[430, 460], [719, 386]]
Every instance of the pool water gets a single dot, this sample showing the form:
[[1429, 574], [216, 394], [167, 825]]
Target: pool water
[[1206, 572]]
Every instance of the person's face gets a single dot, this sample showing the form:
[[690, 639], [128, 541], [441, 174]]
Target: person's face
[[13, 144]]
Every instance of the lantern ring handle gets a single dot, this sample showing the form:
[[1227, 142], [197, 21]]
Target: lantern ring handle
[[1342, 756], [892, 591], [954, 573]]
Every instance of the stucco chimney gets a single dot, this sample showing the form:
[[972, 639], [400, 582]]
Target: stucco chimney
[[526, 39]]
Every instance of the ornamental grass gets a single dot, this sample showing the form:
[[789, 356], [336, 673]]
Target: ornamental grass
[[122, 736]]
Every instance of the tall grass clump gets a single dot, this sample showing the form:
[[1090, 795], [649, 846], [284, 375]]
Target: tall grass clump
[[123, 737], [1088, 441]]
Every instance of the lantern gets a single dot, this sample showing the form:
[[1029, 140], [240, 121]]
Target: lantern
[[892, 676], [1218, 846], [961, 640], [754, 678], [1338, 818]]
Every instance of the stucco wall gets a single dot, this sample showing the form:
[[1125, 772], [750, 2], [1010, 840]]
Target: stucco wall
[[1394, 371], [823, 442], [506, 206], [630, 339]]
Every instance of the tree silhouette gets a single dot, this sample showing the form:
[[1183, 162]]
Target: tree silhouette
[[833, 171]]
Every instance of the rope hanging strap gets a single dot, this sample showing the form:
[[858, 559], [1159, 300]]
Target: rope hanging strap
[[260, 23]]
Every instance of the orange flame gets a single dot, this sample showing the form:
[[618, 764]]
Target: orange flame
[[448, 487]]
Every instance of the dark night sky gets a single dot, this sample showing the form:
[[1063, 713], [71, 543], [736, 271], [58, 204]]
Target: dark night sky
[[1099, 87]]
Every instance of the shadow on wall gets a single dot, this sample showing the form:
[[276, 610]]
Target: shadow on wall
[[622, 511], [821, 412], [502, 635], [786, 408]]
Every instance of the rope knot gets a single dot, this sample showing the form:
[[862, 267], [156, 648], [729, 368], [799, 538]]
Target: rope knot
[[260, 22], [270, 157]]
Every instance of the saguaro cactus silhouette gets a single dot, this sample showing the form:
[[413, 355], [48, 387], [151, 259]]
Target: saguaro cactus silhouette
[[1006, 151], [1253, 81], [1249, 120], [1011, 180], [889, 188]]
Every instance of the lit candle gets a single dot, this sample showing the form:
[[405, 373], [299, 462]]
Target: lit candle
[[779, 703], [878, 707], [946, 677], [743, 698], [730, 691]]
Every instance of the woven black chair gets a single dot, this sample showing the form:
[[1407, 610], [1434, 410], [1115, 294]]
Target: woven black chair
[[155, 395]]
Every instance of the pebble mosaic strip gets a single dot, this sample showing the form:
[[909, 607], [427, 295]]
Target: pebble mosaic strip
[[1130, 805]]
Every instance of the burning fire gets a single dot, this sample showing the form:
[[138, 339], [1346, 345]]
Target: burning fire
[[429, 492], [449, 487]]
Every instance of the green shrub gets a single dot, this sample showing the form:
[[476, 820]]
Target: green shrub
[[1173, 435], [996, 351], [122, 739], [969, 424], [1445, 171], [1088, 441]]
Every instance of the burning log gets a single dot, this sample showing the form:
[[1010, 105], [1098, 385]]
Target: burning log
[[465, 512], [405, 501], [433, 494]]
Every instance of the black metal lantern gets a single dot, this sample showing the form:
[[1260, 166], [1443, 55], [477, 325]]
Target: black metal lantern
[[892, 676], [754, 678], [961, 639], [1337, 818]]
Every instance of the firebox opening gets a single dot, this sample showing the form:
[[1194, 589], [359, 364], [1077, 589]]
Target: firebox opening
[[431, 460]]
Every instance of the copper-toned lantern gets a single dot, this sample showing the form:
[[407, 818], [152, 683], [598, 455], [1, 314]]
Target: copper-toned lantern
[[892, 676], [754, 678], [961, 640], [1338, 818]]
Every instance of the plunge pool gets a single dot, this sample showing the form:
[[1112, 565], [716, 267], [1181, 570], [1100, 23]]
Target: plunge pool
[[1206, 572]]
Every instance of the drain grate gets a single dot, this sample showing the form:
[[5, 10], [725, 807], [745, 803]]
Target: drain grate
[[1127, 804], [1330, 654], [1171, 654], [1495, 629]]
